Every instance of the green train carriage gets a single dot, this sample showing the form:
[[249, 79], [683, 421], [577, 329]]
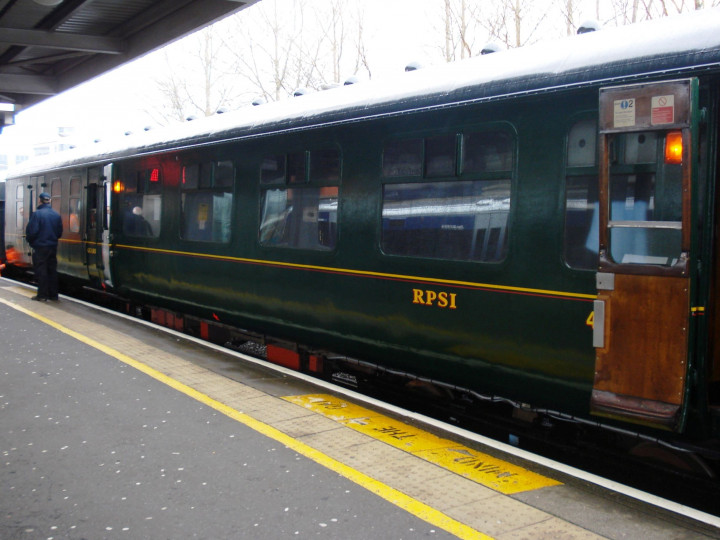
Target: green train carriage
[[536, 226]]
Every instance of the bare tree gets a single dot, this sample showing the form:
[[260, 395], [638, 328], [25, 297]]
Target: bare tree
[[266, 44], [468, 26], [569, 10], [514, 22], [361, 52], [288, 44], [172, 89], [461, 29], [334, 34], [196, 82], [631, 11], [277, 46], [269, 51]]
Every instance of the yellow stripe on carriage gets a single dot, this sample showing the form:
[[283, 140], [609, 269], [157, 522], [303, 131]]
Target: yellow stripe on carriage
[[366, 273]]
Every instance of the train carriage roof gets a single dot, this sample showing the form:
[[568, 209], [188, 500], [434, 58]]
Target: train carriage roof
[[673, 46]]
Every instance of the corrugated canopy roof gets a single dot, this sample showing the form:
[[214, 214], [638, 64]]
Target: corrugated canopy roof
[[48, 46]]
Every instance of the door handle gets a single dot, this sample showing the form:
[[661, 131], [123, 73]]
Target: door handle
[[599, 324]]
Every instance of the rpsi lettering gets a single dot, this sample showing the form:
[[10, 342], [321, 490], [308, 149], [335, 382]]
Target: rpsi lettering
[[440, 299]]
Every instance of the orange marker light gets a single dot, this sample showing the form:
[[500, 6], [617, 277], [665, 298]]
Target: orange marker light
[[673, 148], [117, 186]]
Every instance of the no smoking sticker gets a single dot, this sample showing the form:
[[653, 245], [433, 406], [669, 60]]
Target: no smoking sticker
[[662, 110]]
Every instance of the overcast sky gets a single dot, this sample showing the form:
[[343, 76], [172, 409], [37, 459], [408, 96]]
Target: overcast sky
[[117, 101]]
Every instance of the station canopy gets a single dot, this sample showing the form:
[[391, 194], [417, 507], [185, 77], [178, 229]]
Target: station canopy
[[48, 46]]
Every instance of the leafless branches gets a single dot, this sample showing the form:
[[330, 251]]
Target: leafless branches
[[278, 46]]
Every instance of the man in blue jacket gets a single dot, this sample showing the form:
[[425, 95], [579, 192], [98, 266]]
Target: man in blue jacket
[[43, 230]]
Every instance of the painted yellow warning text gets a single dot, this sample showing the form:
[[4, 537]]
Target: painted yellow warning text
[[482, 468]]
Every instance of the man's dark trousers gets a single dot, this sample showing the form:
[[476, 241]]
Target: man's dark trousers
[[45, 264]]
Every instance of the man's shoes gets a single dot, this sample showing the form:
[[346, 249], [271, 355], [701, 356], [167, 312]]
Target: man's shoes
[[39, 299]]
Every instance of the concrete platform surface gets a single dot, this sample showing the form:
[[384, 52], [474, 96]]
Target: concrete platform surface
[[113, 429]]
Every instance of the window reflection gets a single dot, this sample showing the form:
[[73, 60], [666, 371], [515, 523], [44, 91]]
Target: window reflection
[[302, 218], [447, 220], [207, 201]]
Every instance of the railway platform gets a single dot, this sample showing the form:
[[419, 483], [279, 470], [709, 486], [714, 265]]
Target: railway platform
[[113, 428]]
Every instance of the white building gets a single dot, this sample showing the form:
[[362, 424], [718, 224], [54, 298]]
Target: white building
[[19, 147]]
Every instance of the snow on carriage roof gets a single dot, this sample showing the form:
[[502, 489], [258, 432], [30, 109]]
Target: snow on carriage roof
[[665, 45]]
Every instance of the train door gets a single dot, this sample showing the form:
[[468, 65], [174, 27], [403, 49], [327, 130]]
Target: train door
[[96, 236], [642, 311], [34, 186]]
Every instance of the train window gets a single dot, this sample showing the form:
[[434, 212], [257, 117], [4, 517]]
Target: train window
[[304, 216], [74, 205], [56, 194], [272, 170], [223, 174], [205, 176], [141, 215], [141, 203], [325, 165], [581, 241], [440, 153], [92, 205], [296, 168], [207, 201], [300, 218], [94, 176], [143, 181], [55, 188], [645, 201], [206, 216], [316, 166], [487, 151], [459, 220], [403, 158], [639, 147], [74, 215], [19, 206], [190, 176], [75, 186], [581, 222], [636, 198], [129, 183], [582, 144], [151, 180]]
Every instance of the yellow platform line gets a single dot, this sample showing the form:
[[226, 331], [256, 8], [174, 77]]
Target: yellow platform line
[[482, 468], [399, 499]]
